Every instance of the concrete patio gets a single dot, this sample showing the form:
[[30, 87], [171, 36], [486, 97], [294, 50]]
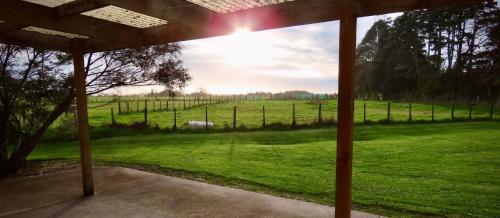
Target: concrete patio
[[123, 192]]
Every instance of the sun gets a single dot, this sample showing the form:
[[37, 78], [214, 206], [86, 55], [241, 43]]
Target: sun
[[241, 31]]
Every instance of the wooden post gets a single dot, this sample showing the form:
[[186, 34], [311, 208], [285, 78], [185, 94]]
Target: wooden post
[[364, 112], [343, 177], [83, 122], [184, 103], [320, 118], [388, 111], [112, 117], [146, 112], [294, 122], [470, 111], [263, 116], [167, 104], [206, 117], [409, 113], [137, 105], [453, 111], [154, 105], [175, 119], [234, 117], [119, 107], [128, 101], [432, 111]]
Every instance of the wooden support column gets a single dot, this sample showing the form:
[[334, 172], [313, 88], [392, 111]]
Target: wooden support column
[[347, 51], [83, 122]]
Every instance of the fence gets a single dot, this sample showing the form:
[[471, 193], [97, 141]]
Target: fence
[[169, 113]]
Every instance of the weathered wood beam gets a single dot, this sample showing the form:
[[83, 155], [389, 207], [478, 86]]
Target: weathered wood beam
[[48, 18], [300, 12], [83, 122], [35, 40], [77, 7], [376, 7], [345, 127]]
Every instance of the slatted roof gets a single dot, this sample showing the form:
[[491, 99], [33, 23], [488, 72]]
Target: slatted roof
[[115, 24]]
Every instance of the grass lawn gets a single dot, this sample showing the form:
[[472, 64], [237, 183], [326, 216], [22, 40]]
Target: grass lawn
[[446, 169]]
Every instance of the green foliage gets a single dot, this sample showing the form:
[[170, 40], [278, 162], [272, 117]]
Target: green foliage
[[450, 53]]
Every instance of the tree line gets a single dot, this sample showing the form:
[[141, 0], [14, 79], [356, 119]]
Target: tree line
[[447, 54]]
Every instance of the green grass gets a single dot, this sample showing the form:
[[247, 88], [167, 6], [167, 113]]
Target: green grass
[[249, 113], [446, 169]]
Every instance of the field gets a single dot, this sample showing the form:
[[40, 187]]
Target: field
[[249, 113], [429, 169]]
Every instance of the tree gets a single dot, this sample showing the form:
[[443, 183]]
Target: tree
[[37, 87]]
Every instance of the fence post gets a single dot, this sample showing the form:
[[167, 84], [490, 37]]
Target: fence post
[[364, 112], [470, 111], [294, 122], [175, 119], [263, 116], [409, 113], [137, 105], [492, 107], [112, 117], [453, 111], [119, 107], [432, 111], [167, 104], [160, 104], [184, 103], [127, 104], [234, 117], [154, 105], [206, 117], [388, 111], [146, 112], [320, 118]]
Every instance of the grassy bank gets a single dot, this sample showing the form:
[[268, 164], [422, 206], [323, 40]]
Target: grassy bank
[[448, 169]]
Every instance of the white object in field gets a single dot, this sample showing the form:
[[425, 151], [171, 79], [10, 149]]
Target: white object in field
[[200, 124]]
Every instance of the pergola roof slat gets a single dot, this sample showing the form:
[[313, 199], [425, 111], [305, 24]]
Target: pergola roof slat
[[186, 20]]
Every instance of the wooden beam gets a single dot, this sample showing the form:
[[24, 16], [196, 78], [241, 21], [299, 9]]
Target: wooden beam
[[187, 24], [345, 127], [35, 40], [83, 122], [48, 18], [77, 7]]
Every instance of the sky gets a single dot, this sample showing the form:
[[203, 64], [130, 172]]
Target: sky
[[295, 58]]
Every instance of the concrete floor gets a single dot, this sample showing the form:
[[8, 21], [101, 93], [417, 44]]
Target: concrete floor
[[122, 192]]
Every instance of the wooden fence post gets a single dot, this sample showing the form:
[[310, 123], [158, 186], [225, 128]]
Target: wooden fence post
[[453, 111], [320, 118], [432, 111], [127, 104], [234, 117], [388, 111], [409, 113], [175, 119], [364, 112], [112, 117], [294, 122], [154, 105], [184, 103], [119, 107], [137, 105], [263, 116], [146, 112], [470, 111], [206, 117]]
